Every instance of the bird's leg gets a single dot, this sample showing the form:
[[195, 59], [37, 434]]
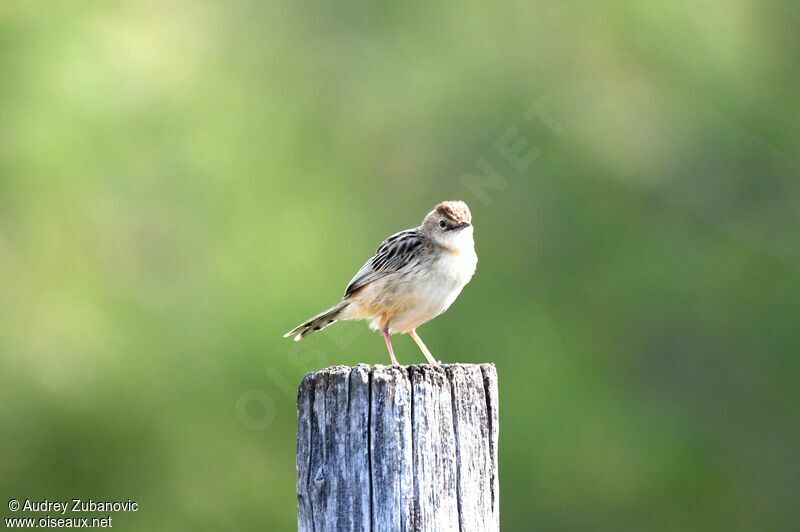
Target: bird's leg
[[385, 332], [422, 347]]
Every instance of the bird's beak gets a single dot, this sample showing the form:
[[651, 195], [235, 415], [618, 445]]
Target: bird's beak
[[462, 225]]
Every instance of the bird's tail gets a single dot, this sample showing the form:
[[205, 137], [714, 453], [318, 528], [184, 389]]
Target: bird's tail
[[320, 321]]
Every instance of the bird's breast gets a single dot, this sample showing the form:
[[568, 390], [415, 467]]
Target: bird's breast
[[448, 275], [457, 265]]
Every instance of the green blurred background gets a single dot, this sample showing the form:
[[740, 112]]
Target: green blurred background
[[182, 182]]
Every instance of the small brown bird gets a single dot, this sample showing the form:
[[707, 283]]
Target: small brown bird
[[414, 276]]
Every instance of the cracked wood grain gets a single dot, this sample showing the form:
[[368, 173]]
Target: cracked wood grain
[[413, 448]]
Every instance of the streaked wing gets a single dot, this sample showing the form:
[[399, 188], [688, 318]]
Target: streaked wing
[[395, 254]]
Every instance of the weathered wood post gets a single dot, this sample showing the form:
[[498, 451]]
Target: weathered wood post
[[412, 448]]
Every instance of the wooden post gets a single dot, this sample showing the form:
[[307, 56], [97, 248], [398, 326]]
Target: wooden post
[[412, 448]]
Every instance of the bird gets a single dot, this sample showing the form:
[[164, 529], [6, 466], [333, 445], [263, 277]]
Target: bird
[[414, 276]]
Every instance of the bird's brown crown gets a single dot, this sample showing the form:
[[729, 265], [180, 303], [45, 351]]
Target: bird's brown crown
[[455, 211]]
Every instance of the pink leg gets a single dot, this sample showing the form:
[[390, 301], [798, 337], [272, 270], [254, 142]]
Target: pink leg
[[385, 332], [413, 334]]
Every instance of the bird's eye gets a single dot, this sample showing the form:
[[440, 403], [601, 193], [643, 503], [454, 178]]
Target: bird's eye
[[442, 224]]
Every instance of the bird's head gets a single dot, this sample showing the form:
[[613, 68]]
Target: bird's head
[[449, 224]]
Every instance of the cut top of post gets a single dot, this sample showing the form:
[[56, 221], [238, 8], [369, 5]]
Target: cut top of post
[[398, 448]]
